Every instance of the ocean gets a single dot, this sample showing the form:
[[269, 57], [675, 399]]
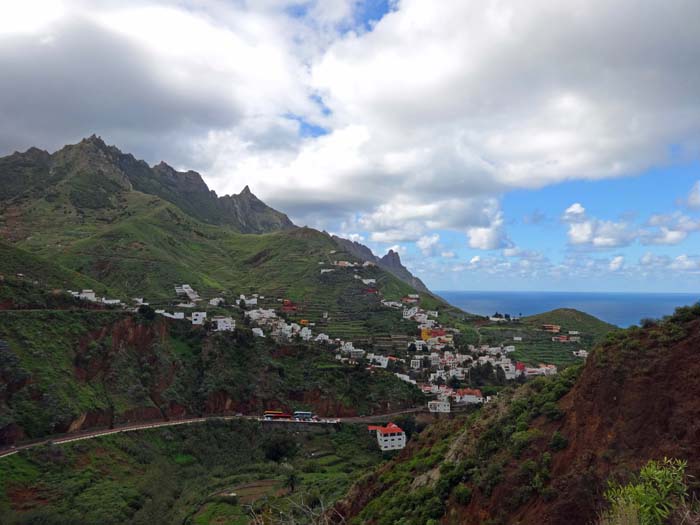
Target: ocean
[[621, 309]]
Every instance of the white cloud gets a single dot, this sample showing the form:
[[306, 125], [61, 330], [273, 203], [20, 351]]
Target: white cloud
[[574, 212], [354, 237], [669, 229], [448, 254], [428, 244], [490, 237], [684, 263], [616, 263], [431, 115], [694, 196], [596, 233]]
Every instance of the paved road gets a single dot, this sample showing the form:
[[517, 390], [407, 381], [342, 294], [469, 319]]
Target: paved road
[[91, 434]]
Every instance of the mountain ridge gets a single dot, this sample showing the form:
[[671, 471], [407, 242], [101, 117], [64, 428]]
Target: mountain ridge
[[92, 163], [391, 262]]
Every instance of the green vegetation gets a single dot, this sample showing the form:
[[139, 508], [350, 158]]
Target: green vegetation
[[112, 366], [47, 275], [184, 474], [570, 319], [497, 434], [651, 497]]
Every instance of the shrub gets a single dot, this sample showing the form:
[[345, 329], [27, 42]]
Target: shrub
[[552, 411], [558, 441], [463, 494], [650, 497], [521, 440]]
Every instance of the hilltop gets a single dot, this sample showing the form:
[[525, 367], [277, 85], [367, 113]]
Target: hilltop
[[571, 319], [91, 175], [544, 453]]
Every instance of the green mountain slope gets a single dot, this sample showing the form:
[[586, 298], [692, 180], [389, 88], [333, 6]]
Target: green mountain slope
[[570, 319], [66, 370], [544, 452], [93, 176], [86, 214]]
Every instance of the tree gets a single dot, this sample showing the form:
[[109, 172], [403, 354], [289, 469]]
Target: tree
[[292, 480], [241, 304], [147, 312], [500, 376]]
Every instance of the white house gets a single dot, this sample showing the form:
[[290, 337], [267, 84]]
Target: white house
[[260, 314], [216, 301], [111, 301], [439, 406], [327, 270], [410, 312], [305, 333], [392, 304], [224, 324], [322, 338], [416, 364], [369, 281], [87, 295], [357, 353], [581, 353], [390, 437], [468, 396], [174, 315], [198, 318], [404, 377], [257, 332], [517, 338], [381, 361]]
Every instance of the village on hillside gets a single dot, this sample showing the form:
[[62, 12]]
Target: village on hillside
[[429, 359]]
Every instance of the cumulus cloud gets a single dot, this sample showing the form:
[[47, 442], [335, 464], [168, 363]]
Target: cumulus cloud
[[591, 232], [428, 114], [685, 263], [616, 263], [428, 244], [669, 229]]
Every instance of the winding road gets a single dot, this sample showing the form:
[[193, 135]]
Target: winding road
[[92, 434]]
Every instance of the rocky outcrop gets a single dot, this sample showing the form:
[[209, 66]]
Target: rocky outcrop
[[390, 262]]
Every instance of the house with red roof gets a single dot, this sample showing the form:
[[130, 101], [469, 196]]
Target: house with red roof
[[390, 437], [468, 395]]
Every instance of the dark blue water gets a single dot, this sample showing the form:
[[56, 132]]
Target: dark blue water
[[621, 309]]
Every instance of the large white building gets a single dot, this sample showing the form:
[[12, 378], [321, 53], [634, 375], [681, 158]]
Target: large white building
[[198, 317], [224, 324], [440, 406], [390, 437]]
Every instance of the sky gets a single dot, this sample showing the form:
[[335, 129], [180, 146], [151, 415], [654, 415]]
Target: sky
[[495, 144]]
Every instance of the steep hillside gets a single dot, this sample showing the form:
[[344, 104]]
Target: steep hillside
[[66, 370], [92, 175], [544, 453], [140, 231]]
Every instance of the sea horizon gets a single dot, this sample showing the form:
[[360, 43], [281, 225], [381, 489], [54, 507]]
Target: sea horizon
[[622, 309]]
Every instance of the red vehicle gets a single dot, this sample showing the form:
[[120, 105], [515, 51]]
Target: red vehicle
[[270, 415]]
